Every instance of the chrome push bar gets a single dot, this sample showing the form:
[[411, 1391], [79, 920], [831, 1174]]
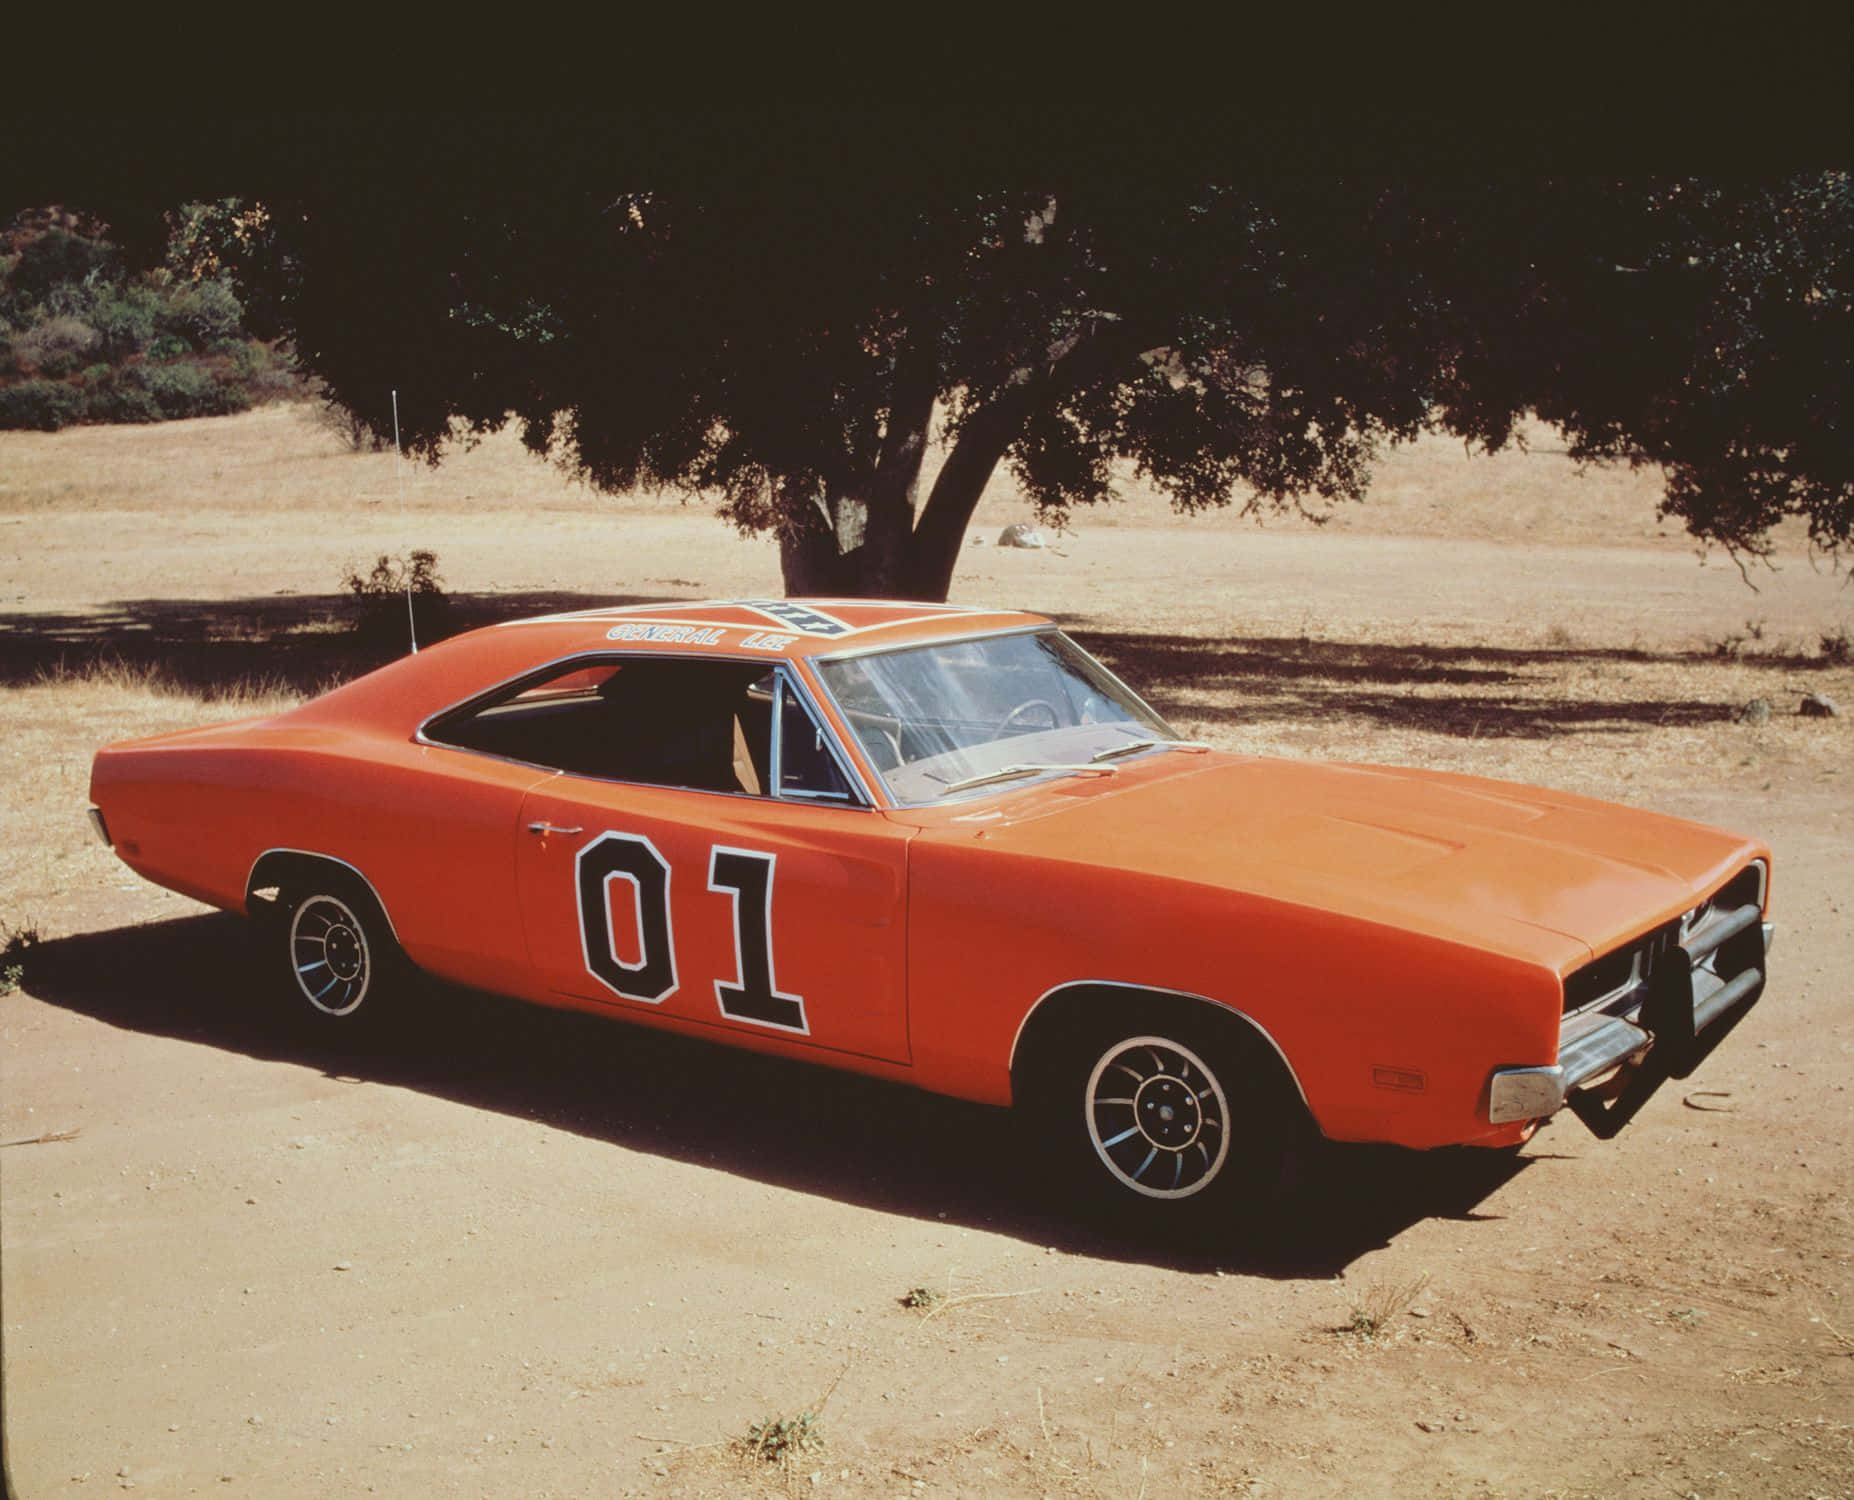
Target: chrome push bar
[[1612, 1059]]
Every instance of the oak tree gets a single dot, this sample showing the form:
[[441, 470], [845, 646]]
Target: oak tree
[[796, 350]]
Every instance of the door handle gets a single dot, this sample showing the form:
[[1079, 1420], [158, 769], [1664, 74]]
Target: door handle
[[546, 828]]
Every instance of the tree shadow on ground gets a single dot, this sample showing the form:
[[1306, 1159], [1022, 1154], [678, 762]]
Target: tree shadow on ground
[[811, 1130], [1488, 692], [304, 643], [307, 643]]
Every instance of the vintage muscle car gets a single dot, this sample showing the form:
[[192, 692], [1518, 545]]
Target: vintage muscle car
[[947, 847]]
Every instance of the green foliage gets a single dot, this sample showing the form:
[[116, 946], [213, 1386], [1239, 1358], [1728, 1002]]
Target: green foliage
[[120, 395], [41, 405], [781, 1439], [16, 945], [57, 345], [922, 1298], [791, 352], [125, 315], [64, 254], [202, 313], [88, 340]]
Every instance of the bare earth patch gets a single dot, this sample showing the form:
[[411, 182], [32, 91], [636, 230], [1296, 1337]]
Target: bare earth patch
[[535, 1254]]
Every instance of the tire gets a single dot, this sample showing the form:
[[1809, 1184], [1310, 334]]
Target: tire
[[1177, 1118], [336, 964]]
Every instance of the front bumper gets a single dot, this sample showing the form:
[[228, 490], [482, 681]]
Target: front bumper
[[1611, 1060]]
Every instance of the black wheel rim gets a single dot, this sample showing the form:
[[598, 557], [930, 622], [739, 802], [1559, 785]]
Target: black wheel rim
[[1158, 1117], [328, 952]]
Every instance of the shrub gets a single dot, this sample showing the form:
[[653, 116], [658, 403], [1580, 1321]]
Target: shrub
[[56, 346], [58, 257], [19, 941], [278, 382], [201, 313], [40, 405], [126, 349], [186, 389], [125, 316], [120, 396], [380, 598]]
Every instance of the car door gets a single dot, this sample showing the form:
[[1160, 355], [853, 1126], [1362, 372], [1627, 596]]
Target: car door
[[776, 907]]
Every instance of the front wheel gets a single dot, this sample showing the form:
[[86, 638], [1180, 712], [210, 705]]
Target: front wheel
[[1157, 1117], [1168, 1121]]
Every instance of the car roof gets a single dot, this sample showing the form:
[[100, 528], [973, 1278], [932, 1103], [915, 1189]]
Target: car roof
[[787, 627], [405, 692]]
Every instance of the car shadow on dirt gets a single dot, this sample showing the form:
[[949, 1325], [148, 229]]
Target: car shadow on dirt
[[812, 1130]]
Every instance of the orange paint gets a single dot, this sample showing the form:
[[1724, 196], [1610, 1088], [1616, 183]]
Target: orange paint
[[1375, 924]]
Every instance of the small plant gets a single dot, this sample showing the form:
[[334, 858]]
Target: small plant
[[922, 1298], [19, 941], [1837, 646], [781, 1439], [1377, 1308], [381, 596]]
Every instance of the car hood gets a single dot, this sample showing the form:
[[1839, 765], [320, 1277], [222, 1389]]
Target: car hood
[[1540, 875]]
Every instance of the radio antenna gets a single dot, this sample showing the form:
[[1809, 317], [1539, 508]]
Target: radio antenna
[[399, 470]]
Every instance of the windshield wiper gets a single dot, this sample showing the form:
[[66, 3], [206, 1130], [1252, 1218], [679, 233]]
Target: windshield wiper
[[1017, 772], [1114, 752]]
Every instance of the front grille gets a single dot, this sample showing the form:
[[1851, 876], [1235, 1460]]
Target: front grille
[[1616, 982]]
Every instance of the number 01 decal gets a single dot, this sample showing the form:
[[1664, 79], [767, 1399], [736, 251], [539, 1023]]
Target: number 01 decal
[[749, 877], [746, 875], [624, 856]]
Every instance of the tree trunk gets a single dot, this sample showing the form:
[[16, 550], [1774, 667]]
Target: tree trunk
[[985, 439], [810, 561], [896, 557], [865, 548], [956, 493]]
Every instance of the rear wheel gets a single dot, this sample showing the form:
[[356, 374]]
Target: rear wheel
[[332, 951]]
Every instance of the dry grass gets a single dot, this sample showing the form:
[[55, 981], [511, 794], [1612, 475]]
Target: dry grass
[[1375, 1310], [50, 727], [112, 675]]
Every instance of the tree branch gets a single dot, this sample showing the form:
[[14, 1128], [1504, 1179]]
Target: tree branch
[[990, 431]]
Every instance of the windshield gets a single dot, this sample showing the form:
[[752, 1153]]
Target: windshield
[[939, 719]]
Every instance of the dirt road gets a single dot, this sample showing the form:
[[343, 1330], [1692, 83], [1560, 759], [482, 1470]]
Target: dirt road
[[537, 1254]]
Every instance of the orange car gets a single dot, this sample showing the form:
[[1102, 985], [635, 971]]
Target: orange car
[[945, 846]]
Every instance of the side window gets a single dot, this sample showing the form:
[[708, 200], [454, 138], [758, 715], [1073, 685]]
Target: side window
[[664, 721], [667, 721], [807, 769]]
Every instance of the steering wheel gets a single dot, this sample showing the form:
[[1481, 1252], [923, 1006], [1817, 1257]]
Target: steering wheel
[[882, 743], [1055, 719]]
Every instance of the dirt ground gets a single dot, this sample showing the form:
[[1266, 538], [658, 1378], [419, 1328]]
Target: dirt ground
[[535, 1254]]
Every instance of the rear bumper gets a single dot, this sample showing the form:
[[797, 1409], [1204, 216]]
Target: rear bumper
[[1609, 1062]]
